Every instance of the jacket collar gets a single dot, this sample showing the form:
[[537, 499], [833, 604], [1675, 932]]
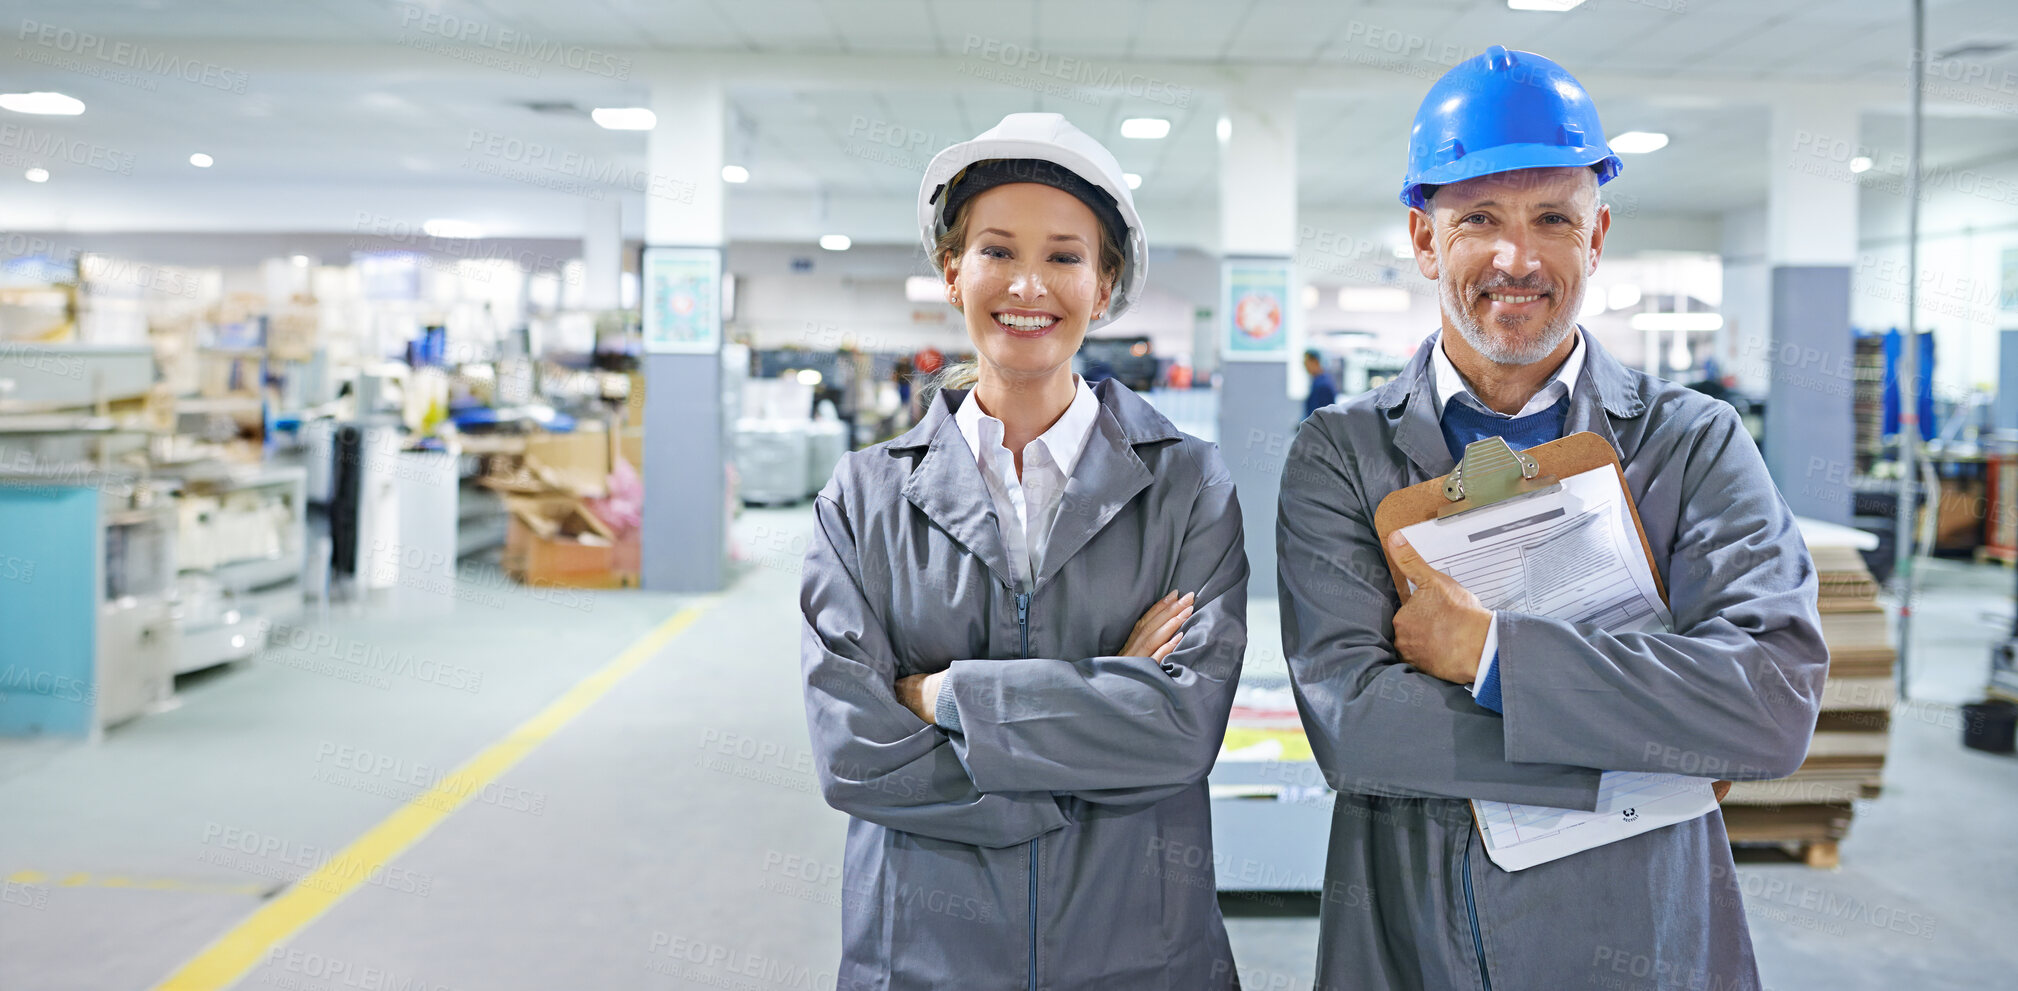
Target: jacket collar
[[1409, 401], [946, 484]]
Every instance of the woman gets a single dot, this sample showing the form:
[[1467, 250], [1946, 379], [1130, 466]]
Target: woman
[[1016, 684]]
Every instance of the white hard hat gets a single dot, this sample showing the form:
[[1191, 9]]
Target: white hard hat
[[1044, 138]]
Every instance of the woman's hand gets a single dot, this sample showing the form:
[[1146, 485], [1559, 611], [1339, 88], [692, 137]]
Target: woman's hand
[[1156, 633], [920, 694]]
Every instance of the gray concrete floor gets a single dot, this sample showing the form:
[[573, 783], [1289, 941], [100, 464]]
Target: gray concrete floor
[[672, 836]]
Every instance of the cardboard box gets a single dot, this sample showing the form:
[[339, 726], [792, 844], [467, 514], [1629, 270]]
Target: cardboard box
[[580, 461], [555, 541]]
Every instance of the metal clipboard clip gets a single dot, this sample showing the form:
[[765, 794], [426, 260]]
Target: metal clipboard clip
[[1491, 472]]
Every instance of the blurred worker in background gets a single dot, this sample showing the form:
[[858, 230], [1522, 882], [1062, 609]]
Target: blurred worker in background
[[1323, 391]]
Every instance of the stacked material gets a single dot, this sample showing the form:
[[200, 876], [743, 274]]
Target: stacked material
[[1811, 808]]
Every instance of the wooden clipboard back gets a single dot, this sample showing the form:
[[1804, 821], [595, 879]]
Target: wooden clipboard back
[[1573, 455]]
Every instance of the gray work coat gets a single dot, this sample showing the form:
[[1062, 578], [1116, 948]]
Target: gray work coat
[[1412, 900], [1060, 838]]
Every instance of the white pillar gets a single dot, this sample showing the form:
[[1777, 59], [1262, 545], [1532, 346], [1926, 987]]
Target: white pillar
[[686, 444], [1811, 244], [1257, 220]]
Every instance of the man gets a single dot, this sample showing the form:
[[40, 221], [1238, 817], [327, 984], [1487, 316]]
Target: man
[[1323, 391], [1412, 711]]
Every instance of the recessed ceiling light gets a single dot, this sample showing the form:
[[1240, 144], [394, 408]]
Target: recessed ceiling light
[[1639, 142], [1556, 6], [1373, 300], [1134, 181], [1677, 321], [1860, 164], [735, 173], [924, 289], [1147, 128], [624, 118], [835, 242], [53, 104], [36, 175], [201, 160], [458, 229]]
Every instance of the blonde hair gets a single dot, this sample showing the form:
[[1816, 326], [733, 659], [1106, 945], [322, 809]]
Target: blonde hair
[[953, 241]]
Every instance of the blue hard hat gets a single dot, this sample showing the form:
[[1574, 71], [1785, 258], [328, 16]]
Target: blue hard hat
[[1499, 112]]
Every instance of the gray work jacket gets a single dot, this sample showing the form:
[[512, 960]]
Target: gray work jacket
[[1060, 838], [1412, 899]]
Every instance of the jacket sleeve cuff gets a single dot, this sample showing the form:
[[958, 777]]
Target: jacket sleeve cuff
[[1485, 688], [947, 711]]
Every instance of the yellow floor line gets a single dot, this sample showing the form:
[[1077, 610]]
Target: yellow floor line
[[223, 962]]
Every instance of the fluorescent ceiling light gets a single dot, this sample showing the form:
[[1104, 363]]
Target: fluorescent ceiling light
[[1373, 300], [1639, 142], [809, 376], [1147, 128], [201, 160], [300, 261], [36, 175], [1404, 250], [52, 104], [924, 289], [1860, 164], [735, 173], [835, 242], [624, 118], [459, 229], [1621, 296], [1134, 181], [1310, 297], [1553, 6], [1678, 321], [1225, 129]]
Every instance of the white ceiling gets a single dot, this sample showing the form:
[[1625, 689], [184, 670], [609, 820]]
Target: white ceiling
[[348, 94]]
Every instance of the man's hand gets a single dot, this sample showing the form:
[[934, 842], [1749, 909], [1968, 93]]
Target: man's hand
[[1440, 627], [920, 694]]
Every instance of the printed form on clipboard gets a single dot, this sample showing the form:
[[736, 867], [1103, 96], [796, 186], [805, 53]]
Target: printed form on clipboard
[[1571, 552]]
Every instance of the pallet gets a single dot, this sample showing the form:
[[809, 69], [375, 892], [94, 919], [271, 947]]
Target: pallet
[[1810, 832], [2006, 556]]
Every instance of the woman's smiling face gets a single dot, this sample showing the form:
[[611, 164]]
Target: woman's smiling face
[[1029, 276]]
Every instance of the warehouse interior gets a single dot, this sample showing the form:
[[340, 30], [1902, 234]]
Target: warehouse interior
[[412, 411]]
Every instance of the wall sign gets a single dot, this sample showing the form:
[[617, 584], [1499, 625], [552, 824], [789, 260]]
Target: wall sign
[[1254, 309], [682, 300]]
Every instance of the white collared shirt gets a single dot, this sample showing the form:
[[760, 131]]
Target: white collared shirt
[[1450, 385], [1027, 507]]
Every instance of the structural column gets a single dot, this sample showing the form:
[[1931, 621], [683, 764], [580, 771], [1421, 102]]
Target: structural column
[[1257, 234], [1811, 244], [685, 532], [603, 254]]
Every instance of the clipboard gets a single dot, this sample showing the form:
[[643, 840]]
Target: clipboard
[[1492, 472]]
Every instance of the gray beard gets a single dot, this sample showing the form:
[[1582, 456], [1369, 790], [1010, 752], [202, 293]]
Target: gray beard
[[1510, 350]]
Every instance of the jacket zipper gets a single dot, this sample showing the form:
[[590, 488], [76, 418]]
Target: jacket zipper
[[1471, 909], [1023, 629]]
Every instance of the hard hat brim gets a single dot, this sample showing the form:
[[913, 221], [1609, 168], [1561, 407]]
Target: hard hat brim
[[1512, 158]]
